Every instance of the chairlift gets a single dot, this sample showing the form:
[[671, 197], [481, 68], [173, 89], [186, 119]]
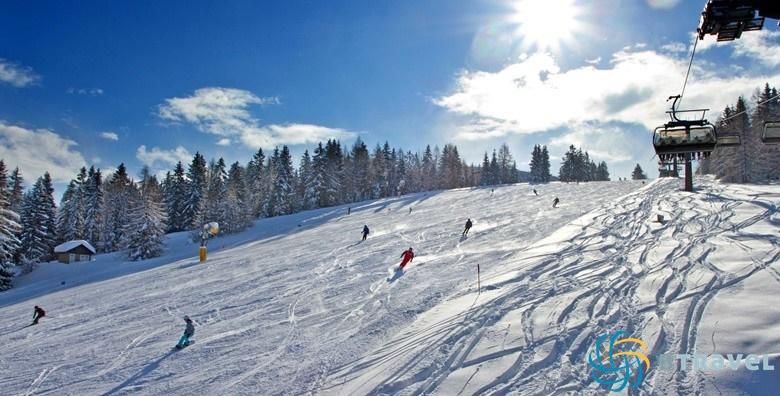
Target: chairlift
[[729, 18], [771, 132], [728, 141], [681, 138]]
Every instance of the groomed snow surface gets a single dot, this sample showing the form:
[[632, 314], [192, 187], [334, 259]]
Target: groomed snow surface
[[299, 305]]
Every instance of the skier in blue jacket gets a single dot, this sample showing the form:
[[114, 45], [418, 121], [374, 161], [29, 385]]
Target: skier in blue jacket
[[189, 331]]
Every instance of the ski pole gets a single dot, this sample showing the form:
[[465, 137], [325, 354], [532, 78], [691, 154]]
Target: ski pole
[[479, 285]]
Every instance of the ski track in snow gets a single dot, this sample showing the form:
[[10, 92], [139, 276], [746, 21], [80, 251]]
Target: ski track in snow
[[312, 309]]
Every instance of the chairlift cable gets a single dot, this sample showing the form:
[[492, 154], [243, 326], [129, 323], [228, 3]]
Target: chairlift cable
[[690, 63], [746, 110]]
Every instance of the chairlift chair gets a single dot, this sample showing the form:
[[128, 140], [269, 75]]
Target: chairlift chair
[[681, 138], [729, 18], [771, 133]]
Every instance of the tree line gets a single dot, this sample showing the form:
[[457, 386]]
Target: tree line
[[118, 213], [753, 160]]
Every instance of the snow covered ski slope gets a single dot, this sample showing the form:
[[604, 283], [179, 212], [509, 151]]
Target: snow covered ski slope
[[705, 281], [298, 304]]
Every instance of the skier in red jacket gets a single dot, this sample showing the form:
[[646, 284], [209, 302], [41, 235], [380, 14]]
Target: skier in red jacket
[[408, 256]]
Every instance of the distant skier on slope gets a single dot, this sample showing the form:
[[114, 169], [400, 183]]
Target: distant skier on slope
[[467, 228], [555, 202], [365, 232], [38, 314], [349, 210], [536, 193], [189, 331], [408, 256]]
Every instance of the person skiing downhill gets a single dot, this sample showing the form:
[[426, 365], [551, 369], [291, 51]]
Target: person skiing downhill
[[38, 314], [408, 256], [189, 331], [536, 193], [365, 232], [468, 227], [555, 202]]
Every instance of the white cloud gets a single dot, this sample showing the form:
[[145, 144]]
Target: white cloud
[[611, 144], [109, 136], [225, 112], [595, 61], [674, 47], [271, 135], [535, 95], [662, 3], [164, 157], [85, 91], [36, 151], [223, 142], [17, 75]]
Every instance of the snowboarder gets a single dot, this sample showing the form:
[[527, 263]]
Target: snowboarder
[[468, 227], [536, 193], [189, 331], [365, 232], [555, 202], [408, 256], [38, 314]]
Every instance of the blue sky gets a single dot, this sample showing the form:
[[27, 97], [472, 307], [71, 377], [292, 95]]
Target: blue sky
[[153, 82]]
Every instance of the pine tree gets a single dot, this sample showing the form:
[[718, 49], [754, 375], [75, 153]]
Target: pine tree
[[308, 189], [535, 166], [638, 173], [215, 205], [39, 213], [238, 213], [143, 234], [545, 165], [257, 183], [118, 199], [360, 173], [93, 212], [9, 232], [602, 172], [282, 199], [16, 191], [175, 199], [485, 179], [196, 190], [429, 181]]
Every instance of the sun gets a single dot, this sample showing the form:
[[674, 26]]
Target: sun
[[546, 24]]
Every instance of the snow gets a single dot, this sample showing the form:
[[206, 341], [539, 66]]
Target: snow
[[67, 246], [297, 304]]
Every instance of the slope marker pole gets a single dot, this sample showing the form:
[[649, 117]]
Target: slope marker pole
[[479, 283]]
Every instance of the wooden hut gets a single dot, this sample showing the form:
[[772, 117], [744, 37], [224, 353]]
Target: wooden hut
[[78, 250]]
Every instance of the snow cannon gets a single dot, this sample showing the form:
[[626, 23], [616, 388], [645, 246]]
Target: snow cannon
[[209, 230]]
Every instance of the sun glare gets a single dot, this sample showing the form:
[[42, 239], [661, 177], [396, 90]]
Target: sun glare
[[546, 24]]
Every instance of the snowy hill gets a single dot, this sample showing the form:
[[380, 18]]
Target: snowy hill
[[297, 304]]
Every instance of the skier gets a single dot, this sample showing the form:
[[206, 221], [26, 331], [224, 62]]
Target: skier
[[555, 202], [536, 193], [468, 227], [365, 232], [38, 314], [410, 210], [189, 331], [408, 256], [349, 210]]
